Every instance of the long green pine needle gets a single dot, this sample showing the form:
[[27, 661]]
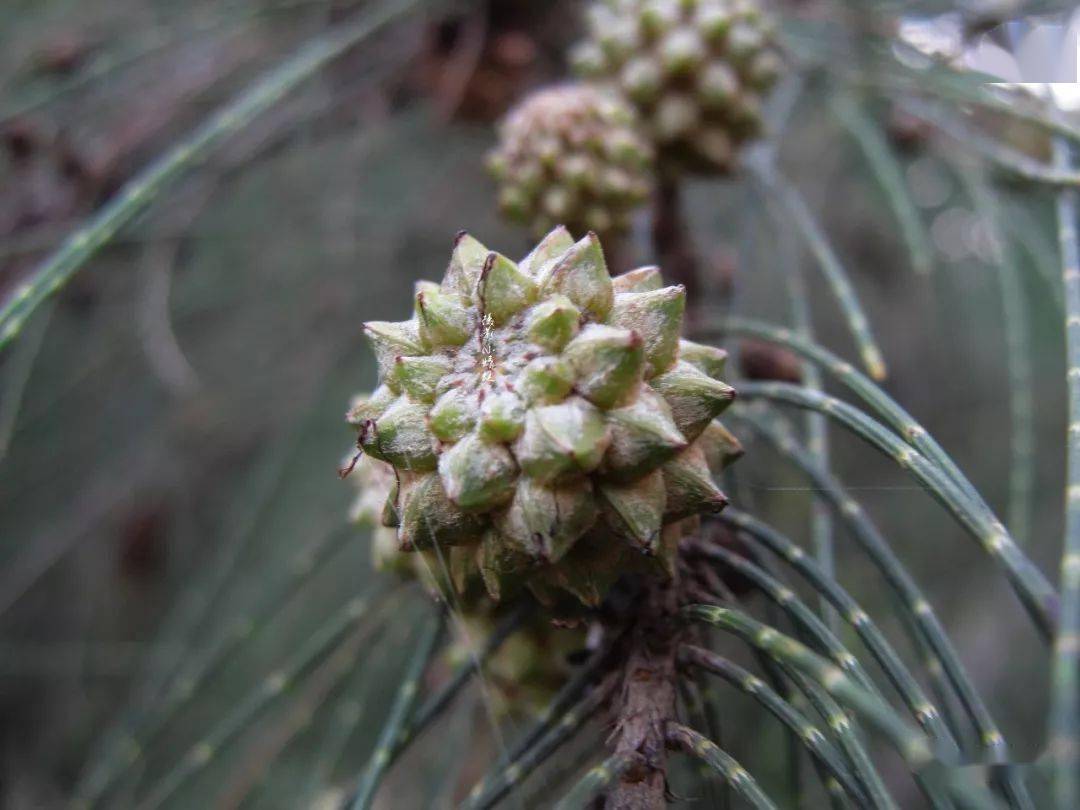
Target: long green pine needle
[[1064, 725], [408, 691], [943, 660], [139, 192], [722, 762], [1030, 584], [836, 276], [915, 748]]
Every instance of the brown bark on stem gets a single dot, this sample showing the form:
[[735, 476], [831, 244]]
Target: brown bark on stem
[[647, 700]]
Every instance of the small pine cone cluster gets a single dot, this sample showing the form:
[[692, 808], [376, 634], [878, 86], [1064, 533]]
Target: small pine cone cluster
[[695, 69], [543, 424], [571, 155]]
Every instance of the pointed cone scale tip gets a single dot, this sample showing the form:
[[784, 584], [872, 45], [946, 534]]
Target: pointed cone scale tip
[[695, 398], [587, 572], [710, 360], [543, 522], [503, 289], [555, 244], [490, 575], [657, 316], [608, 363], [501, 564], [570, 437], [419, 376], [425, 286], [390, 339], [635, 512], [462, 561], [453, 416], [643, 436], [401, 335], [721, 446], [641, 279], [369, 406], [443, 321], [400, 437], [466, 262], [545, 381], [581, 275], [502, 417], [690, 489], [553, 323], [390, 517]]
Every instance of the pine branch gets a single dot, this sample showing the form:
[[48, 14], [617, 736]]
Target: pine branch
[[693, 743], [507, 775], [647, 699], [916, 749], [595, 781], [814, 629], [1034, 590], [130, 744], [924, 712], [869, 392], [138, 193], [890, 176], [817, 429], [1005, 157], [825, 755], [691, 694], [778, 188], [433, 708], [425, 649], [943, 658], [564, 699], [847, 734], [1017, 360], [785, 598], [277, 683]]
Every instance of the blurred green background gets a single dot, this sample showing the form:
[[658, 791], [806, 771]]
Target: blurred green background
[[171, 423]]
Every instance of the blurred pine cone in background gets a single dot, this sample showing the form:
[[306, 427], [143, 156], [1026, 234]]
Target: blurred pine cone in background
[[696, 70], [572, 155]]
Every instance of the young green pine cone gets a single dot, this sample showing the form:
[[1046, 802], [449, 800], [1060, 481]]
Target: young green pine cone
[[695, 69], [545, 422], [571, 154]]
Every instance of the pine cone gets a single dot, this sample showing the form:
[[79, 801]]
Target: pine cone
[[571, 154], [546, 424], [695, 69]]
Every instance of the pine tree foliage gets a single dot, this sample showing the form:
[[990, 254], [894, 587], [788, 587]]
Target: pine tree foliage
[[886, 614]]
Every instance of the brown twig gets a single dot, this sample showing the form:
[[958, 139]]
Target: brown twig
[[647, 701]]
